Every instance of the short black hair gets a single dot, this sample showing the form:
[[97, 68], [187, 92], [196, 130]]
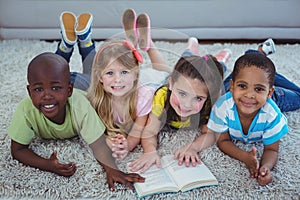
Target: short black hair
[[258, 60], [48, 59]]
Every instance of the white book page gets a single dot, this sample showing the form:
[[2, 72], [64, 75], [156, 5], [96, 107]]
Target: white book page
[[156, 179], [183, 175]]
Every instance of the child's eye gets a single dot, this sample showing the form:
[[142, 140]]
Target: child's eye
[[259, 89], [243, 86], [38, 89], [125, 72], [56, 88], [198, 99], [182, 94], [109, 73]]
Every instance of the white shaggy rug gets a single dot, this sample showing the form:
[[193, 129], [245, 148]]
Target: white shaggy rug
[[89, 182]]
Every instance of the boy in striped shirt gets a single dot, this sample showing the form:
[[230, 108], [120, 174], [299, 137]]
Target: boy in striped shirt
[[247, 113]]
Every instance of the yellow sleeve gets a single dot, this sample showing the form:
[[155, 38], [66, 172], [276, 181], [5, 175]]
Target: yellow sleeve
[[159, 100]]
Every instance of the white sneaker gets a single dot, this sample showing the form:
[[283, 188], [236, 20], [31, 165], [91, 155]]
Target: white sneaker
[[268, 46]]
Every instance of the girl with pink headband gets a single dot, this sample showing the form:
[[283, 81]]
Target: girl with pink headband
[[111, 78], [121, 100], [118, 98]]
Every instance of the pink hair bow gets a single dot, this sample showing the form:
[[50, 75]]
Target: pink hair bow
[[138, 56], [205, 57]]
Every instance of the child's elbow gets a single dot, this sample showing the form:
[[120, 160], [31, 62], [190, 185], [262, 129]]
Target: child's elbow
[[213, 135], [16, 149], [14, 153]]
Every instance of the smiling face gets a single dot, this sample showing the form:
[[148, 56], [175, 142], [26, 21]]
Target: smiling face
[[250, 90], [49, 86], [117, 79], [188, 96]]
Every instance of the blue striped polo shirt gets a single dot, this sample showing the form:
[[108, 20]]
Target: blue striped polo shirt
[[268, 126]]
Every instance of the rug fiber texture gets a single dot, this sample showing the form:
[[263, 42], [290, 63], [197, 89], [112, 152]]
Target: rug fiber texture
[[18, 181]]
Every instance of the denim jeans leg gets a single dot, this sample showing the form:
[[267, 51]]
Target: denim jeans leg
[[253, 51], [226, 83], [66, 56], [87, 57], [287, 100], [286, 94], [81, 81], [187, 52], [281, 81]]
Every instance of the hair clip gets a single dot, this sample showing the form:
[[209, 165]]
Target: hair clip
[[205, 57], [138, 56]]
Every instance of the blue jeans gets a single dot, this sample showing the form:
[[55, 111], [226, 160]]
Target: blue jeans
[[286, 94], [81, 80]]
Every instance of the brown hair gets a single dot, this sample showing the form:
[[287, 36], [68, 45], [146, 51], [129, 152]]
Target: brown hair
[[208, 71]]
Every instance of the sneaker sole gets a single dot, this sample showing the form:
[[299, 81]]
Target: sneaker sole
[[69, 21], [143, 26], [83, 23], [129, 25]]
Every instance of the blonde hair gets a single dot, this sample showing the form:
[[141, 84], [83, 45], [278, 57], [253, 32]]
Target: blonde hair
[[120, 51]]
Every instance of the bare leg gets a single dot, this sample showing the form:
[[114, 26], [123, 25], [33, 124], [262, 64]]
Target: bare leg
[[137, 30], [157, 60], [223, 56], [146, 44], [193, 45]]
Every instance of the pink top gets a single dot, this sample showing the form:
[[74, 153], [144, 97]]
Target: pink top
[[144, 102]]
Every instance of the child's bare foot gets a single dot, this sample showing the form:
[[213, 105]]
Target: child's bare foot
[[224, 55], [193, 45]]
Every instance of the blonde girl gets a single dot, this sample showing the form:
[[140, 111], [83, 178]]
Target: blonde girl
[[120, 101], [114, 90]]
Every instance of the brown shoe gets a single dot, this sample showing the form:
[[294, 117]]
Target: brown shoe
[[129, 25], [143, 27], [67, 26], [84, 25]]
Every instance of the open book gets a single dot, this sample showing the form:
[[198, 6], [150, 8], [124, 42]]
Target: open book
[[173, 178]]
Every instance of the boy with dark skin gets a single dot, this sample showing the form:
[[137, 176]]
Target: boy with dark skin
[[248, 114], [54, 110]]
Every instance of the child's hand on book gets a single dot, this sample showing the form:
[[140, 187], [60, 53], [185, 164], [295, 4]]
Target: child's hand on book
[[145, 161], [119, 147], [114, 175], [187, 155], [173, 178]]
